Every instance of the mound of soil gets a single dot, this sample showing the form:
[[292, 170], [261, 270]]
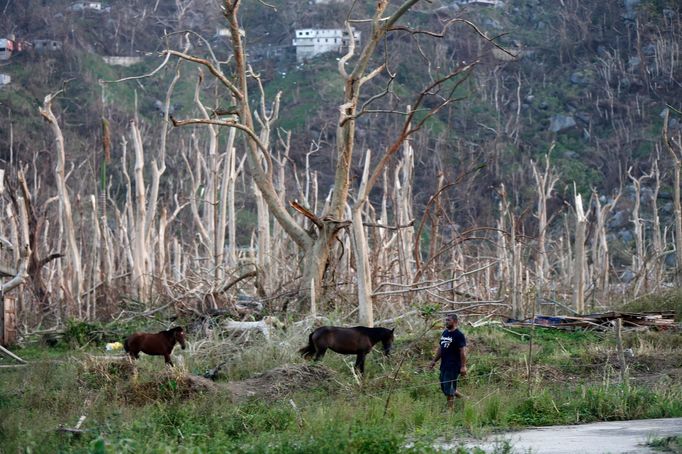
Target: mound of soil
[[95, 372], [169, 385], [121, 378], [281, 381]]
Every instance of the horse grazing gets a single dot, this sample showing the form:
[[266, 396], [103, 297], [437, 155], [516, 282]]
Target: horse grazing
[[161, 343], [347, 341]]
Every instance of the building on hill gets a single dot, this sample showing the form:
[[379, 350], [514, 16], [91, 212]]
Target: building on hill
[[310, 42], [6, 48], [82, 6], [46, 45], [223, 32], [480, 2], [115, 60], [10, 46]]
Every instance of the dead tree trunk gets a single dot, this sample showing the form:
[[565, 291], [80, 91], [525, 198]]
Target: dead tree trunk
[[639, 259], [600, 247], [7, 317], [674, 147], [656, 237], [545, 184], [579, 257], [361, 252], [75, 285], [502, 248]]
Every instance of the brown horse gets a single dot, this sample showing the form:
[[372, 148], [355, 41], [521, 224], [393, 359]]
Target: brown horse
[[161, 343], [347, 341]]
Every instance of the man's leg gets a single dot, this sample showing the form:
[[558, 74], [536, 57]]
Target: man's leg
[[453, 390], [448, 386]]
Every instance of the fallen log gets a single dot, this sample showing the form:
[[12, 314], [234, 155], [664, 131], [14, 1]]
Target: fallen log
[[11, 355]]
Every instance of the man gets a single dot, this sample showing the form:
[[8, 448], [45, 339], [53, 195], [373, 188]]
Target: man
[[453, 358]]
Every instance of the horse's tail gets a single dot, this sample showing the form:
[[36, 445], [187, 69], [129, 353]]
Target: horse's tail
[[309, 350], [126, 347]]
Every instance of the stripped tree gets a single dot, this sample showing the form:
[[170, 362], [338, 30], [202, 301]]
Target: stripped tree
[[316, 244], [674, 147]]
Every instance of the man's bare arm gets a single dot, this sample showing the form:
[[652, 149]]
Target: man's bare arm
[[463, 360], [435, 358]]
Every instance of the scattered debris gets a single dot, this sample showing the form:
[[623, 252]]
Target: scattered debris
[[75, 430], [663, 320], [212, 374], [113, 346]]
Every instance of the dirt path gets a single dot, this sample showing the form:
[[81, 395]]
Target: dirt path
[[595, 438]]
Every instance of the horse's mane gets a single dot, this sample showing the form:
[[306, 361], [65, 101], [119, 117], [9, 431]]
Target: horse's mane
[[170, 333], [375, 334]]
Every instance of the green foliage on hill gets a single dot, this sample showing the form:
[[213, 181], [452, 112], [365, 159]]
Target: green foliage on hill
[[590, 61]]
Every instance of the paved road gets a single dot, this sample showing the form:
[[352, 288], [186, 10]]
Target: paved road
[[596, 438]]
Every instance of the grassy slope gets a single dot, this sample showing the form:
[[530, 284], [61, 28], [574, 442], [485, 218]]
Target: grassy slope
[[574, 381]]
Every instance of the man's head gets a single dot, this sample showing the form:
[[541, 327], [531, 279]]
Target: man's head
[[451, 321]]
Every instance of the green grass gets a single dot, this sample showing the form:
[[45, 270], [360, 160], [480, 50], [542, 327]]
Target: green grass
[[141, 413], [667, 444]]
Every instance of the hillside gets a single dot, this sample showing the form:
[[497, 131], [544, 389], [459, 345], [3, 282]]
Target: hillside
[[480, 91], [591, 77]]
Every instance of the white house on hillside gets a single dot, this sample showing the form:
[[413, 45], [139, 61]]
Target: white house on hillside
[[481, 2], [81, 6], [310, 42]]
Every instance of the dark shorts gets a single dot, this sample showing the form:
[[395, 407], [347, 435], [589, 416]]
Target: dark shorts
[[448, 382]]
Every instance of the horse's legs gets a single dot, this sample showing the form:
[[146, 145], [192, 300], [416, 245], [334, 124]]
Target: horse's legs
[[168, 359], [319, 353], [360, 362]]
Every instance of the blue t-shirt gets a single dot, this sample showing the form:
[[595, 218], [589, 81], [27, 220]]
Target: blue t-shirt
[[450, 344]]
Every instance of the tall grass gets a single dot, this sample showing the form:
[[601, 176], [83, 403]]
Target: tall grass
[[132, 411]]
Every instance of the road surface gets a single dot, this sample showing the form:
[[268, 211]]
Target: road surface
[[595, 438]]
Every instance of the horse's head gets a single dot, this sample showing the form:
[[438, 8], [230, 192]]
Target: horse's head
[[179, 336], [387, 341]]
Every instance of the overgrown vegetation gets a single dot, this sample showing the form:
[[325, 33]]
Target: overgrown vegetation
[[147, 409], [670, 300], [667, 444]]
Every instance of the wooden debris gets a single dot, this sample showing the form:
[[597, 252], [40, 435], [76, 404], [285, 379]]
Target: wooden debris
[[663, 320], [75, 430]]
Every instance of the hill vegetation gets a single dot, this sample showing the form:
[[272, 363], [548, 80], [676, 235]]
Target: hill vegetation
[[600, 72]]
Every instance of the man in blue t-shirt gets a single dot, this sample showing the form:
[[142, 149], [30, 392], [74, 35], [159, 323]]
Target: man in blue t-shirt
[[452, 353]]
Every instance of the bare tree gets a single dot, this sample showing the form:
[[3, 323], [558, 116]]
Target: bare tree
[[545, 184], [674, 147], [75, 285], [579, 254], [315, 245]]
